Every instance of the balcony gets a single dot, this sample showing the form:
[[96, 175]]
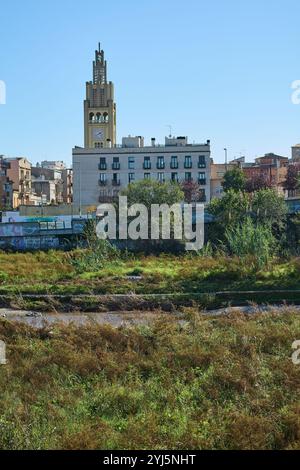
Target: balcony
[[188, 166], [201, 165], [116, 182], [102, 183], [202, 181], [102, 166], [147, 166], [174, 166], [203, 198], [160, 166], [106, 199], [116, 166]]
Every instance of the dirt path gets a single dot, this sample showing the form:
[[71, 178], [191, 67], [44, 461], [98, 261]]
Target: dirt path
[[123, 318]]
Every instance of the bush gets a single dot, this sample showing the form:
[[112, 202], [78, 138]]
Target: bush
[[94, 258], [250, 240]]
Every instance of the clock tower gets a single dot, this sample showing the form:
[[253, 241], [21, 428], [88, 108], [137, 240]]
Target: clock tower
[[99, 107]]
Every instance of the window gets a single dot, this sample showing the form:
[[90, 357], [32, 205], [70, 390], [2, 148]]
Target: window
[[202, 195], [202, 161], [174, 177], [202, 178], [174, 163], [102, 179], [147, 176], [98, 145], [116, 179], [161, 177], [188, 177], [147, 163], [131, 163], [131, 177], [102, 165], [188, 162], [160, 163], [116, 163]]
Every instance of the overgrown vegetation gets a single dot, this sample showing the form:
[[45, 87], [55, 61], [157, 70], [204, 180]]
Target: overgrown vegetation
[[212, 383], [249, 240], [70, 273]]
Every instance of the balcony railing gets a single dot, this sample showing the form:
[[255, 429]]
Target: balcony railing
[[188, 166], [102, 183], [116, 182], [102, 166], [147, 166], [160, 166], [201, 165], [116, 166], [202, 181]]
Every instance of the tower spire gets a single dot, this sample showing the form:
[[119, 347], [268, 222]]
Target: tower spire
[[99, 67]]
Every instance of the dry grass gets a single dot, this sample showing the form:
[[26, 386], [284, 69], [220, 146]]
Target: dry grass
[[215, 383]]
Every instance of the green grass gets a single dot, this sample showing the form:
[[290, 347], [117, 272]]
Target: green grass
[[214, 383], [54, 272]]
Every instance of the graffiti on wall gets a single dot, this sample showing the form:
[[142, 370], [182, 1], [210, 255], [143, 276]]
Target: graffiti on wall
[[30, 243], [18, 230]]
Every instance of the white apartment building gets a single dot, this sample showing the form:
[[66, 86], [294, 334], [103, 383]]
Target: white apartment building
[[100, 173]]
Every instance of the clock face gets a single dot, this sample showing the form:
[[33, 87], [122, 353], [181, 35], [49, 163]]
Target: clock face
[[98, 134]]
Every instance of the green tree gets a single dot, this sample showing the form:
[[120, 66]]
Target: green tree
[[269, 208], [228, 211], [234, 180], [231, 208], [149, 192]]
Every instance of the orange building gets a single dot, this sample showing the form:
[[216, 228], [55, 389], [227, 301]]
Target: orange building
[[19, 171], [272, 168]]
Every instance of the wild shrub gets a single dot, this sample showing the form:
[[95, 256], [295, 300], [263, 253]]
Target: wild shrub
[[248, 240], [94, 258]]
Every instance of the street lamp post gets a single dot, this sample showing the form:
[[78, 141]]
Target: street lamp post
[[226, 159]]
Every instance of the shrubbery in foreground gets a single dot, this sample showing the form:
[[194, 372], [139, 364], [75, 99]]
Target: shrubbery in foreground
[[211, 383]]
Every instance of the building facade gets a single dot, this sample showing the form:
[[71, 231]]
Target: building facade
[[6, 186], [52, 183], [67, 185], [271, 167], [99, 107], [53, 165], [100, 174], [217, 173], [296, 153], [19, 171]]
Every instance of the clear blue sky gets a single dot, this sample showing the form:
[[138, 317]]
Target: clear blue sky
[[218, 69]]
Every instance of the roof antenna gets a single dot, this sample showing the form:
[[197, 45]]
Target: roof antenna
[[170, 128]]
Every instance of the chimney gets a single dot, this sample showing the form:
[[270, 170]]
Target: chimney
[[153, 142]]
